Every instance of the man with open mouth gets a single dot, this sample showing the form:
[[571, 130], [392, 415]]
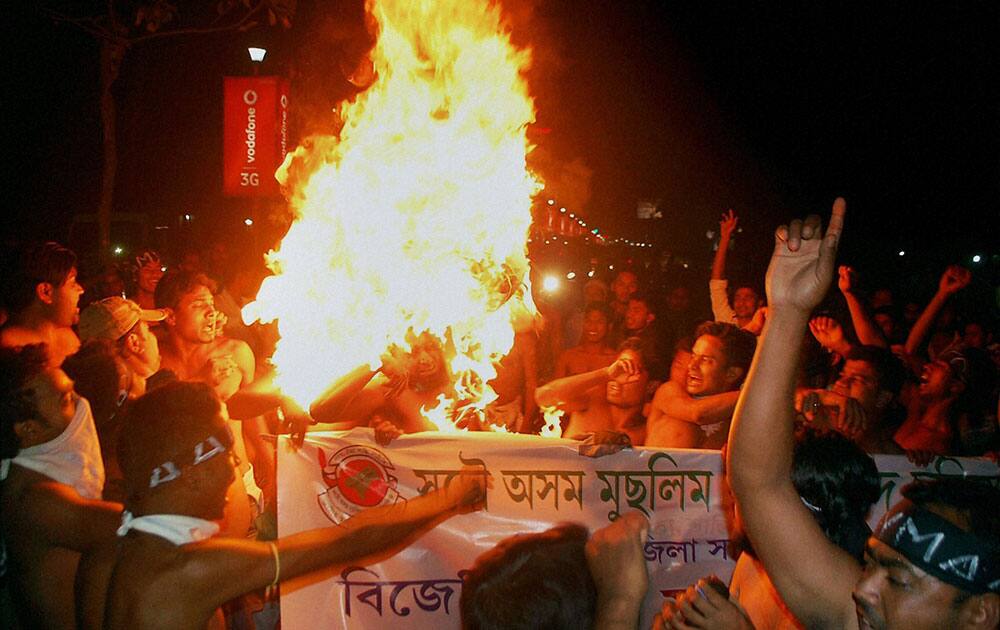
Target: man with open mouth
[[697, 414], [934, 560]]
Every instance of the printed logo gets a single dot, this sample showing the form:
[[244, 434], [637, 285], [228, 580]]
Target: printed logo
[[356, 478]]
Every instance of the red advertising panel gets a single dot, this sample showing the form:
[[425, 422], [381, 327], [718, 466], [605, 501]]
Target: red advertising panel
[[255, 135]]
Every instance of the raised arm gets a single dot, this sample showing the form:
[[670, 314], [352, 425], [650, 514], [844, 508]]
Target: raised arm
[[220, 569], [717, 285], [565, 392], [348, 394], [952, 280], [726, 226], [830, 334], [867, 331], [677, 404], [814, 577]]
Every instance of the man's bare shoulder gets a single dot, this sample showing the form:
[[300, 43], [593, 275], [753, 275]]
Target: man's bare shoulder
[[667, 391], [13, 336], [52, 513], [31, 487], [66, 341]]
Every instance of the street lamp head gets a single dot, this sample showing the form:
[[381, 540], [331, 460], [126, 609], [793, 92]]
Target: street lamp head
[[256, 54]]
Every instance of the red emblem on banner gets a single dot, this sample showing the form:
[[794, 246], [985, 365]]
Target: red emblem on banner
[[255, 135]]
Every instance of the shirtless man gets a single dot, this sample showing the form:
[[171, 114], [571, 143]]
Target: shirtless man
[[838, 482], [697, 413], [859, 402], [930, 425], [933, 562], [593, 352], [50, 479], [393, 394], [41, 294], [639, 317], [192, 348], [167, 570], [606, 399]]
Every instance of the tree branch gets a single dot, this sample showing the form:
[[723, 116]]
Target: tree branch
[[89, 25], [198, 31], [92, 26]]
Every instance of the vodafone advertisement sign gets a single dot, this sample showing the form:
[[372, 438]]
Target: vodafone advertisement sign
[[255, 135]]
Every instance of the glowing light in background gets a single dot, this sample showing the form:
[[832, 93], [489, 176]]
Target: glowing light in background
[[550, 284]]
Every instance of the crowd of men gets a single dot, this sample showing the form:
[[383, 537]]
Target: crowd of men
[[137, 478]]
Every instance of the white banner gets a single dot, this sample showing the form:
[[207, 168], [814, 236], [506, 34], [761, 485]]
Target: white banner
[[537, 482]]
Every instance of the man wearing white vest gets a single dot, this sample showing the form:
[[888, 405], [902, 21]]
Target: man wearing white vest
[[51, 478]]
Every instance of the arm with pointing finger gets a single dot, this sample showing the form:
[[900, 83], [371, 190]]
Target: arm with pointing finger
[[817, 591]]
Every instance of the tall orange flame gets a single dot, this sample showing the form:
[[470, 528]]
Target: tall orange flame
[[417, 217]]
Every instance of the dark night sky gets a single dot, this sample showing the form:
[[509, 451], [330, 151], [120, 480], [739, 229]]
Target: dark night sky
[[771, 109]]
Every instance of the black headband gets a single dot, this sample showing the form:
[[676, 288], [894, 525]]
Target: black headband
[[941, 548]]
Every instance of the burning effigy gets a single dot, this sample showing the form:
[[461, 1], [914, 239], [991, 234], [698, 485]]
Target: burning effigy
[[414, 218]]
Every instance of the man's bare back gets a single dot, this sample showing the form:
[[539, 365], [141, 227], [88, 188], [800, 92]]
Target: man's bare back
[[59, 342], [40, 523], [149, 577]]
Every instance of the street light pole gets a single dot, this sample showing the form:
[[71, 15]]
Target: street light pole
[[256, 58]]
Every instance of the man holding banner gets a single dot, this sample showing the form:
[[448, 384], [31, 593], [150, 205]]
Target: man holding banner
[[934, 560], [167, 569]]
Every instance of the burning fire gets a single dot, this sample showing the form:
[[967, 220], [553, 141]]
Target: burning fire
[[417, 215]]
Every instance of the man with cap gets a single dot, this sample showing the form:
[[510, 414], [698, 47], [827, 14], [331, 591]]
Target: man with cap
[[934, 561], [126, 324], [118, 355]]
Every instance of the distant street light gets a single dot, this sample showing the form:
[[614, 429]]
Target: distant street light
[[256, 54]]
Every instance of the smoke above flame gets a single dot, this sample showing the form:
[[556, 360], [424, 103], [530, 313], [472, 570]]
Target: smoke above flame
[[416, 216]]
